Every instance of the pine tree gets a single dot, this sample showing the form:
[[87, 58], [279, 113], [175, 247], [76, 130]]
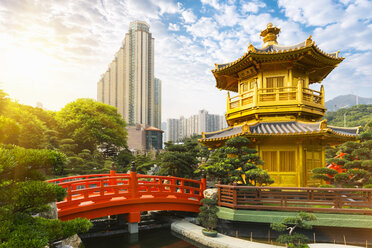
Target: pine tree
[[293, 239], [235, 162], [352, 167]]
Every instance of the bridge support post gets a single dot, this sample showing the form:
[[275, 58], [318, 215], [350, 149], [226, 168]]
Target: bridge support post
[[133, 227], [133, 219]]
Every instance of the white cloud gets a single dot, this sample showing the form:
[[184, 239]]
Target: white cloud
[[227, 16], [205, 27], [213, 3], [173, 27], [188, 16], [252, 7], [313, 13]]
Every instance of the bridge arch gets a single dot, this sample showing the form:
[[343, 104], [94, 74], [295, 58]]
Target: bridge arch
[[99, 195]]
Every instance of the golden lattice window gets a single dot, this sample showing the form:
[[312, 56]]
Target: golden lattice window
[[287, 161], [274, 83], [270, 159]]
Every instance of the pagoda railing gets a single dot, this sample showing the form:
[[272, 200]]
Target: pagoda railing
[[331, 200], [276, 96]]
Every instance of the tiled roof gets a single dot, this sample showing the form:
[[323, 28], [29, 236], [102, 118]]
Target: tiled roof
[[151, 128], [224, 133], [284, 128], [277, 49], [280, 128]]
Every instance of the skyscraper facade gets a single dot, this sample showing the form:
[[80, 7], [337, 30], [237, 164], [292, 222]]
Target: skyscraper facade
[[129, 82], [178, 129]]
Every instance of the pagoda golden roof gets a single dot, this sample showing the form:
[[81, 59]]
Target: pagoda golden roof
[[280, 129], [305, 55]]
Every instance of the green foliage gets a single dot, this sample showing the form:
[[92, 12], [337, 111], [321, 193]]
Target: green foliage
[[326, 185], [124, 159], [324, 170], [17, 163], [23, 195], [289, 224], [180, 160], [356, 160], [235, 162], [296, 240], [91, 124], [358, 115], [208, 214]]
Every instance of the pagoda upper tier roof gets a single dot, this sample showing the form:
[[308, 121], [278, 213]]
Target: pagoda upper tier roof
[[287, 128], [305, 55]]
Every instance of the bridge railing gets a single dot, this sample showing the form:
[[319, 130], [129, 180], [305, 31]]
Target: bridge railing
[[103, 187], [331, 200]]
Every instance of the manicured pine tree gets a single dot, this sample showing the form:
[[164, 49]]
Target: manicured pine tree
[[353, 165], [236, 162], [208, 214], [293, 239]]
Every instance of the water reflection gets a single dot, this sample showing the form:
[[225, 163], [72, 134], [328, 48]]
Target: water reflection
[[156, 238]]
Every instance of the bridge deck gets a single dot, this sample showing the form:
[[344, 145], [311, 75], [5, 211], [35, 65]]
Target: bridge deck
[[93, 196]]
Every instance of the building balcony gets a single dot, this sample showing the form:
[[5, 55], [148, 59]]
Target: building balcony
[[275, 101]]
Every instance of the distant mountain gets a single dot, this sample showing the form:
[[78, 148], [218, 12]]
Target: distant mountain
[[359, 115], [346, 101]]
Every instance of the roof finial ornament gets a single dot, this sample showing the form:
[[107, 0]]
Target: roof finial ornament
[[269, 35], [251, 48], [309, 41]]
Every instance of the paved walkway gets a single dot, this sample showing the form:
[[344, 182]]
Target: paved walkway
[[194, 232]]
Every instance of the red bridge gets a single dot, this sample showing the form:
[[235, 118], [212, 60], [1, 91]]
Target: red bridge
[[94, 196]]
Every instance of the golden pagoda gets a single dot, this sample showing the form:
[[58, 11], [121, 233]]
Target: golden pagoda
[[275, 107]]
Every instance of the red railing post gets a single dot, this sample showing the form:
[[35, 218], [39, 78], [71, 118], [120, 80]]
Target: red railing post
[[69, 197], [133, 183], [112, 182], [203, 185], [235, 195]]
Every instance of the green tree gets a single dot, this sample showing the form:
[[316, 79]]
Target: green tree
[[356, 161], [293, 239], [236, 162], [4, 100], [20, 164], [208, 214], [92, 124], [123, 160], [23, 195], [180, 160]]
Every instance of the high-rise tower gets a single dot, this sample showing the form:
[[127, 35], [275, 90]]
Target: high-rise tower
[[129, 82]]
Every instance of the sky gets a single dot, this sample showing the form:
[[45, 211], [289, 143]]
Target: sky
[[54, 51]]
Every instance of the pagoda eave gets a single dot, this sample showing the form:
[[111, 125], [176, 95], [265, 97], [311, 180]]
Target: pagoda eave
[[330, 135], [310, 57]]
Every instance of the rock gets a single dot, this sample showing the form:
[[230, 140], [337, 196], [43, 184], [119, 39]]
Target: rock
[[74, 241], [52, 213], [211, 193]]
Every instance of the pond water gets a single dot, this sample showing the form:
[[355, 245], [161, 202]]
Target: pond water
[[155, 238]]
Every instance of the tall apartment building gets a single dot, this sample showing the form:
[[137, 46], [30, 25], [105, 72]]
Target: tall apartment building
[[129, 82], [178, 129]]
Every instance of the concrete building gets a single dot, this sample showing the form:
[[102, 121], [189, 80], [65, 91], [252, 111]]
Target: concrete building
[[143, 138], [129, 82], [173, 130], [178, 129]]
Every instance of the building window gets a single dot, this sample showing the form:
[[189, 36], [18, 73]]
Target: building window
[[287, 161], [244, 87], [269, 157], [274, 83]]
